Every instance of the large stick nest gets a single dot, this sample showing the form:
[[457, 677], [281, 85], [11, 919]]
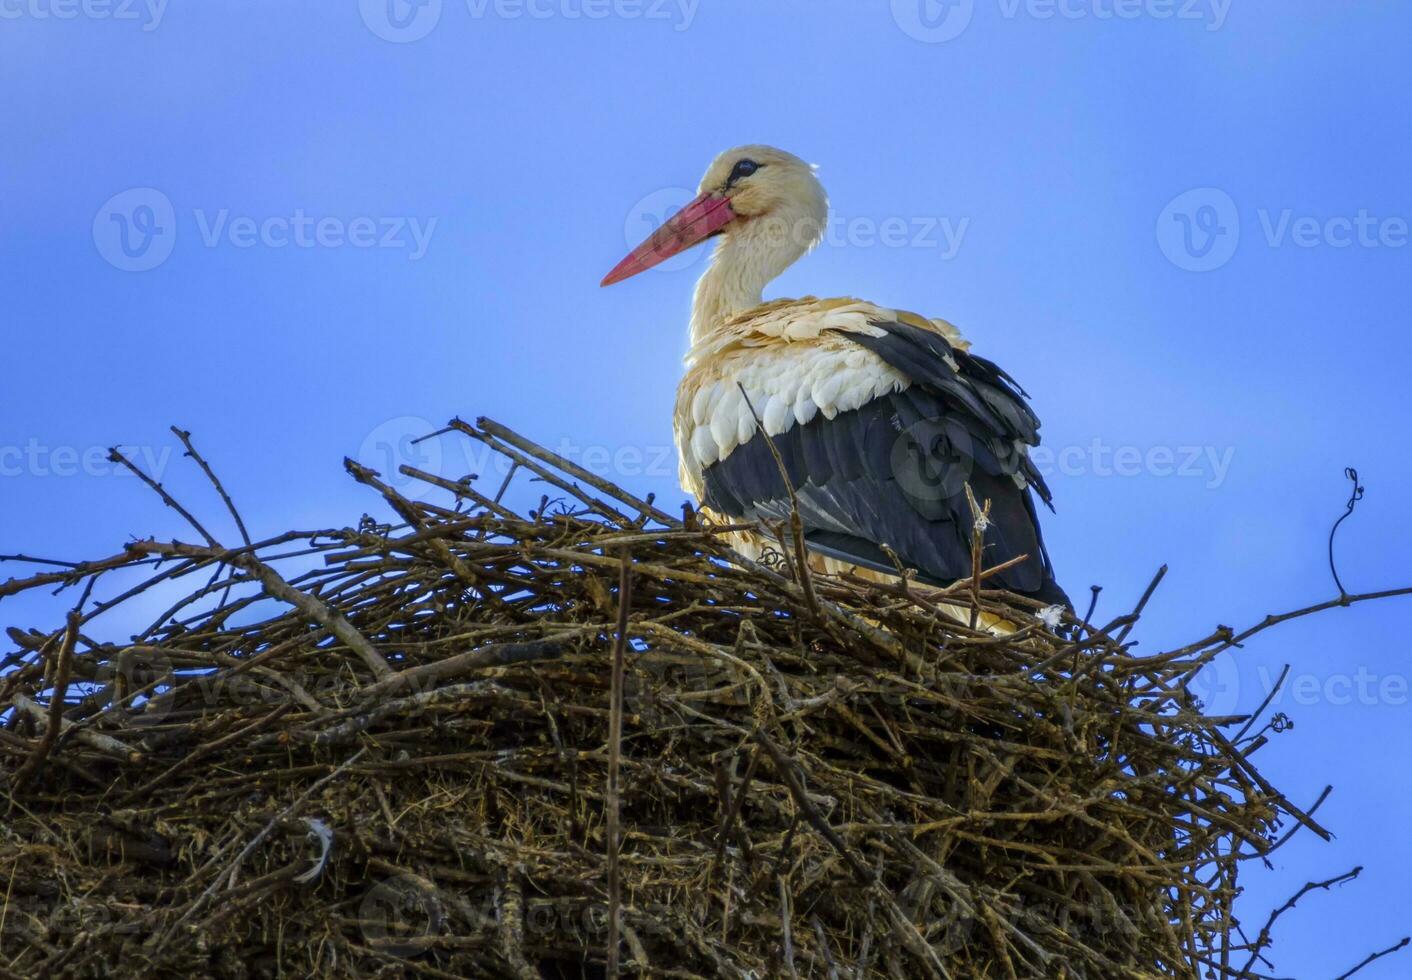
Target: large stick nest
[[385, 750]]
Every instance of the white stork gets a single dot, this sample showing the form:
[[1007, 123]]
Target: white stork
[[881, 416]]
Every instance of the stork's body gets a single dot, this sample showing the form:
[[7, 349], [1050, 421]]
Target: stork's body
[[881, 417]]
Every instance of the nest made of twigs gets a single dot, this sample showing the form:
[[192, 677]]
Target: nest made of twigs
[[395, 750]]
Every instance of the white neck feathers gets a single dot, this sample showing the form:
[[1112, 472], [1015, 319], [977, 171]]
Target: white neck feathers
[[748, 257]]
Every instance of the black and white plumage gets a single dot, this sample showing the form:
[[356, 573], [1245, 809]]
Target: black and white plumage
[[893, 471]]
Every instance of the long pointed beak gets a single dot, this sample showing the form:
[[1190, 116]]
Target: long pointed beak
[[694, 223]]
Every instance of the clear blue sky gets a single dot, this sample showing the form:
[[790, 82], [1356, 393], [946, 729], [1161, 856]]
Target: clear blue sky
[[354, 217]]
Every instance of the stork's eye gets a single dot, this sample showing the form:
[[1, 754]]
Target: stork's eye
[[743, 169]]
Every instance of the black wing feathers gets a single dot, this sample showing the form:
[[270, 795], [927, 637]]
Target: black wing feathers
[[894, 471]]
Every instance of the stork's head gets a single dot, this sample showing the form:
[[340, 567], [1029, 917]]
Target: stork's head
[[765, 200]]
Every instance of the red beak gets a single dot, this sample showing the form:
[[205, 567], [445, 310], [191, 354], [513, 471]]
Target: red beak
[[694, 223]]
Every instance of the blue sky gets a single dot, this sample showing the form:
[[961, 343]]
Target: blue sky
[[302, 229]]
